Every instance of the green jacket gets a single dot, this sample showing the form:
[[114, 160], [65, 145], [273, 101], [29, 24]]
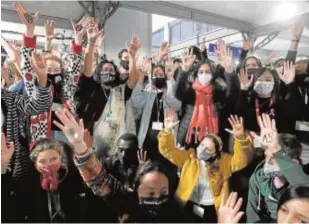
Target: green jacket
[[263, 196]]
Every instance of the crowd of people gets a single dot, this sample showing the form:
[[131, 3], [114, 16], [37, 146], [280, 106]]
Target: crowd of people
[[153, 138]]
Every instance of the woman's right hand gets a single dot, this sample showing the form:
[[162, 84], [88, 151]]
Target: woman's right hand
[[73, 130], [28, 20], [169, 123], [229, 210], [188, 59], [244, 80]]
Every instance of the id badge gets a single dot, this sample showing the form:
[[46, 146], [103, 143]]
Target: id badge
[[302, 126], [157, 126], [198, 211]]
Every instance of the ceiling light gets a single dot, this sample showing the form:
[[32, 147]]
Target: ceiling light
[[285, 11]]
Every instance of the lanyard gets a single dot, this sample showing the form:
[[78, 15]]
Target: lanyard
[[159, 107]]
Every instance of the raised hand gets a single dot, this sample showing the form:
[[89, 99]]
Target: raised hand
[[80, 29], [142, 157], [50, 30], [247, 44], [14, 51], [287, 73], [225, 59], [237, 124], [93, 34], [244, 80], [39, 67], [269, 135], [28, 20], [169, 120], [73, 130], [6, 153], [229, 210], [169, 71], [203, 45], [163, 52], [133, 46], [220, 49], [188, 59]]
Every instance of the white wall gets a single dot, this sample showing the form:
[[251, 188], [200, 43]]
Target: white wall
[[120, 28]]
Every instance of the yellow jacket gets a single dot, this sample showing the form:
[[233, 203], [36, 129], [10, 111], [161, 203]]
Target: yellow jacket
[[217, 173]]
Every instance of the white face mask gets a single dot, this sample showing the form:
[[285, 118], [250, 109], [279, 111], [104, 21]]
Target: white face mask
[[204, 78], [271, 170], [263, 88]]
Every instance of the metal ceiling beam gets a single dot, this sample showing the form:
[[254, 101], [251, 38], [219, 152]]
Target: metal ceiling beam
[[176, 11], [266, 41], [89, 8], [277, 27], [8, 15]]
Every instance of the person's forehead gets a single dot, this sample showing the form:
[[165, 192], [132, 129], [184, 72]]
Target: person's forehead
[[125, 54], [52, 63], [48, 153], [205, 67], [124, 144], [108, 65], [251, 61], [158, 70]]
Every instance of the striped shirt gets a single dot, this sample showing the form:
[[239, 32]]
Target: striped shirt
[[15, 108]]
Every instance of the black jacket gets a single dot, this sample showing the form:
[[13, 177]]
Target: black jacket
[[185, 93]]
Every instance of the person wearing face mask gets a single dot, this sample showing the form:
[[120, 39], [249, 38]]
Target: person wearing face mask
[[104, 100], [205, 100], [57, 186], [123, 56], [152, 106], [16, 169], [150, 199], [274, 93], [205, 169], [293, 206], [280, 169], [41, 125]]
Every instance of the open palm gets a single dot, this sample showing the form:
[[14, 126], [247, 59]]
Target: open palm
[[237, 126], [287, 73], [73, 130], [244, 80]]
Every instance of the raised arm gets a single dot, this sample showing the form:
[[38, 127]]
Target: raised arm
[[133, 47], [243, 148], [41, 98], [91, 169], [167, 145], [28, 45], [296, 30], [93, 34]]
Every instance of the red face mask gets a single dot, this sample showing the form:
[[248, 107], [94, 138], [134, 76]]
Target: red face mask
[[49, 180]]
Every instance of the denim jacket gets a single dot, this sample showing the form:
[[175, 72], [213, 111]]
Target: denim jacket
[[143, 102]]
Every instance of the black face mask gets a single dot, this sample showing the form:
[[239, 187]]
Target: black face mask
[[159, 82], [108, 79], [252, 71], [153, 206], [124, 77], [125, 64], [56, 81]]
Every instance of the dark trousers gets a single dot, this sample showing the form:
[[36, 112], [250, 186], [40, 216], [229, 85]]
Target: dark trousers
[[210, 214]]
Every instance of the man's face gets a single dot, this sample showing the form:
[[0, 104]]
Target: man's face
[[127, 152]]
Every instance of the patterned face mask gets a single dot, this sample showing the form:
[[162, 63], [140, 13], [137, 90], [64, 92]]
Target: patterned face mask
[[263, 88], [202, 154], [153, 206]]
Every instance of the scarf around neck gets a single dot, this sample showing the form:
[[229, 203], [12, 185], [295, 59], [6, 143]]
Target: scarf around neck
[[204, 119]]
